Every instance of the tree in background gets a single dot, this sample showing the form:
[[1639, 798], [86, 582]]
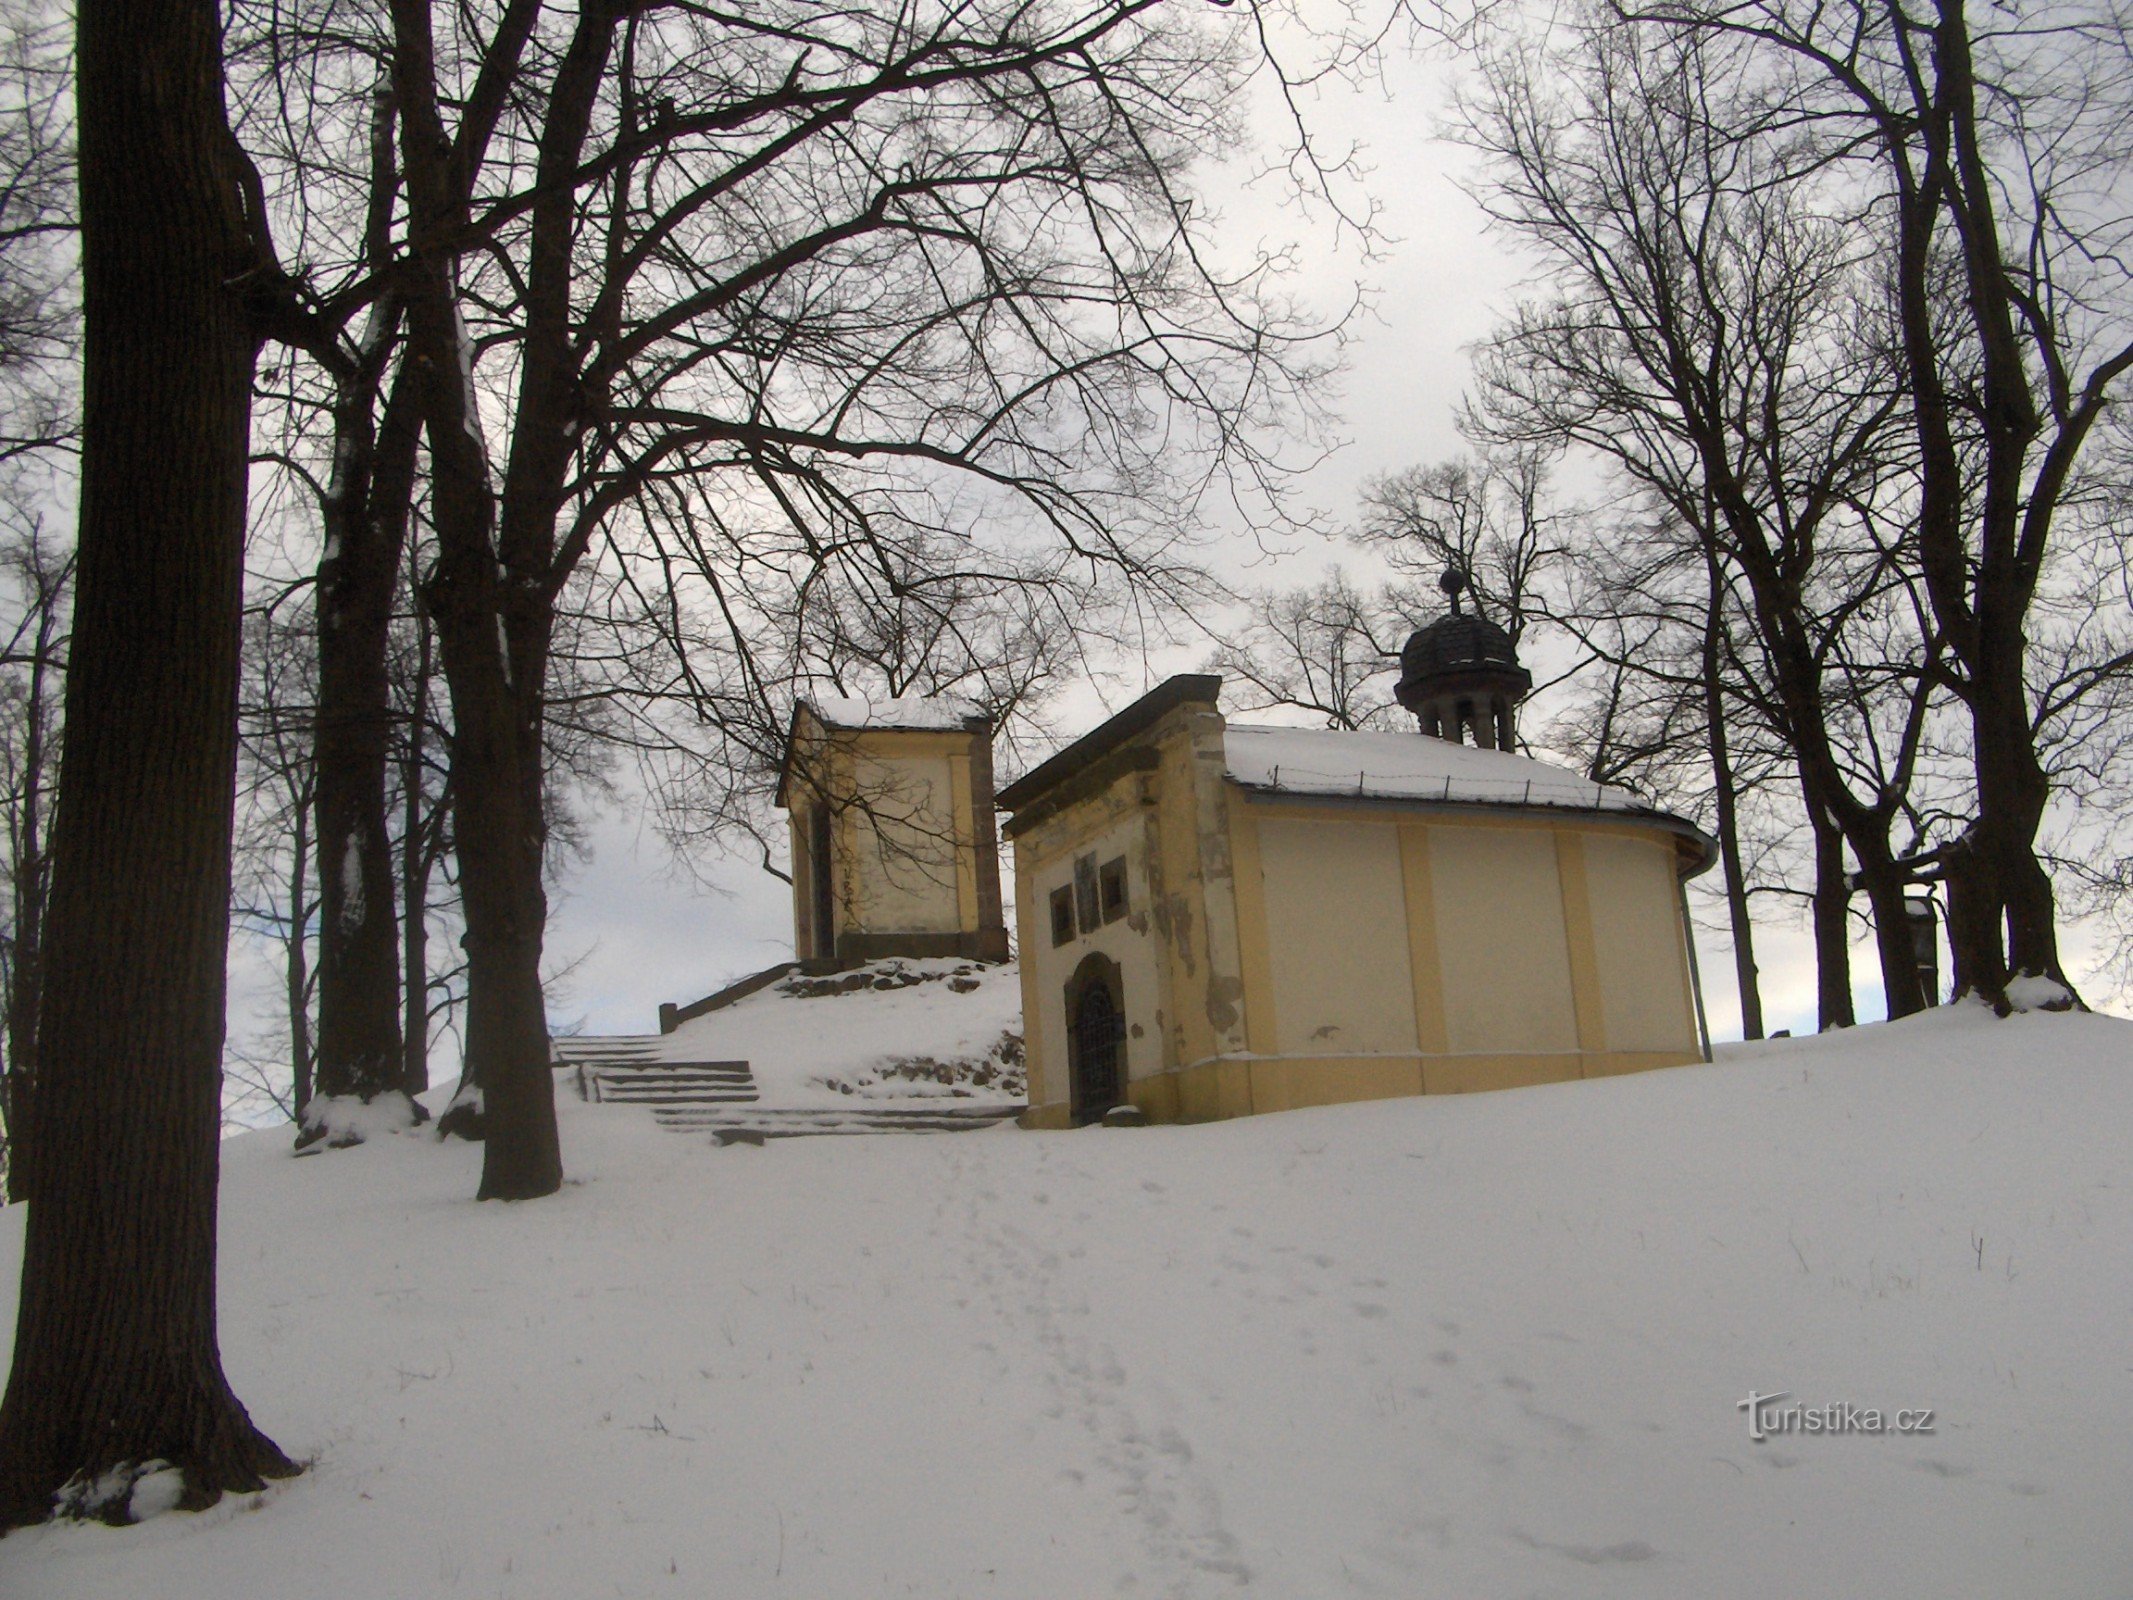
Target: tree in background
[[32, 675], [275, 869], [117, 1371], [1491, 515], [1709, 334], [39, 309], [1330, 649], [39, 342], [827, 263], [1991, 158]]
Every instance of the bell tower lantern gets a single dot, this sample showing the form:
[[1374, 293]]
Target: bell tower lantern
[[1460, 676]]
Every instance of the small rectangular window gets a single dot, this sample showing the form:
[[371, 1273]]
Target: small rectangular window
[[1063, 914], [1086, 902], [1111, 883]]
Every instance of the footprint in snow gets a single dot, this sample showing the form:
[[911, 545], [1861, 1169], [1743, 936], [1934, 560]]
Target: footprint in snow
[[1590, 1555]]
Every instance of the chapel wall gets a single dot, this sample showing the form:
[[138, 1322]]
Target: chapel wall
[[1119, 826]]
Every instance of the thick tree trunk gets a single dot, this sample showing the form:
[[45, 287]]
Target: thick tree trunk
[[116, 1360], [1832, 924], [492, 594], [1901, 986], [2012, 793], [1976, 922], [1725, 796], [507, 1091], [296, 976], [359, 1039], [417, 830]]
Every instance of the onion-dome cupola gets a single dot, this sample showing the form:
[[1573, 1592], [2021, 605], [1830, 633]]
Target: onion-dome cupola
[[1461, 673]]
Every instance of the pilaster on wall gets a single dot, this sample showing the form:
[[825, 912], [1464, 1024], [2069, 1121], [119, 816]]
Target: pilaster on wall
[[985, 835], [1583, 949], [1254, 933], [963, 809], [1425, 961], [1223, 1006], [1042, 1089]]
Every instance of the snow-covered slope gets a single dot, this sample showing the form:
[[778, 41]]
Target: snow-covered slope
[[891, 1029], [1466, 1347]]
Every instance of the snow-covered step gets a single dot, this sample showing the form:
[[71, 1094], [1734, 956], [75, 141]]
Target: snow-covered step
[[667, 1083], [606, 1047], [787, 1122]]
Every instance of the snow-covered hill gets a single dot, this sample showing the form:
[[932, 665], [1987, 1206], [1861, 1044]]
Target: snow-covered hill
[[892, 1029], [1469, 1347]]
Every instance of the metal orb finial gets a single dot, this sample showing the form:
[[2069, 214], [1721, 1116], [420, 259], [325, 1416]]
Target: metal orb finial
[[1452, 583]]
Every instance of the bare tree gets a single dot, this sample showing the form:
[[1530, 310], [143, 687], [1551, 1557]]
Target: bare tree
[[32, 674], [1329, 649], [39, 341], [275, 872], [39, 310], [1491, 515], [117, 1362], [831, 261], [1994, 157], [1711, 337]]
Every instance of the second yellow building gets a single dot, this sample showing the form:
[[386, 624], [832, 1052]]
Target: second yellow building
[[1216, 920]]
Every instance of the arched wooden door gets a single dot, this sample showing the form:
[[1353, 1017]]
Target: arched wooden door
[[1096, 1038]]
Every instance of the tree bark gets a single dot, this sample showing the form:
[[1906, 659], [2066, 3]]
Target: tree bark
[[296, 977], [359, 1039], [1902, 989], [418, 829], [1832, 923], [1976, 923], [1725, 798], [116, 1357]]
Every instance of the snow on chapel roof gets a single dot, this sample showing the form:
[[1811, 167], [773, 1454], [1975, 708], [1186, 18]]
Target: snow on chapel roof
[[1407, 766], [910, 711]]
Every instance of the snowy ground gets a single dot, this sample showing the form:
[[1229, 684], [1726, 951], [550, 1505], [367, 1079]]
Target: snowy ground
[[894, 1029], [1465, 1347]]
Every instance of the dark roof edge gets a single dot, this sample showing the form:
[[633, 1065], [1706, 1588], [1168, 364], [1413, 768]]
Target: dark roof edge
[[1186, 688]]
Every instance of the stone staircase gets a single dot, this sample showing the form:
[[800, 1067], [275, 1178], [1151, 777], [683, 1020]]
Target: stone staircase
[[719, 1097], [754, 1126], [627, 1069]]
